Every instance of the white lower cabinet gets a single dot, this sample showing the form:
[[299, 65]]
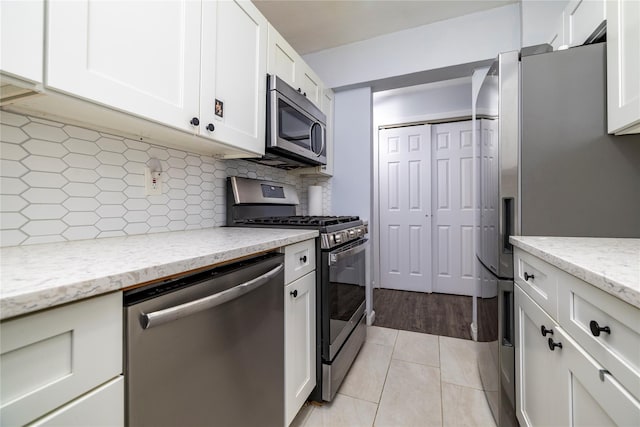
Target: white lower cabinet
[[299, 326], [566, 374], [102, 407], [58, 360], [300, 343], [541, 399]]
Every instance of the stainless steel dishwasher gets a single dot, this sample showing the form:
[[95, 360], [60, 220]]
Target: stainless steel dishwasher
[[207, 349]]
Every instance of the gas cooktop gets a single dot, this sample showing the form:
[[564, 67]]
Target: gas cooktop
[[321, 221]]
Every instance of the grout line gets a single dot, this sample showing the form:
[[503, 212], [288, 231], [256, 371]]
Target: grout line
[[385, 376]]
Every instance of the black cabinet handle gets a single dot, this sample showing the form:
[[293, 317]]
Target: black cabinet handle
[[305, 94], [299, 90], [303, 259], [195, 121], [211, 127], [596, 329], [294, 293], [553, 345], [528, 276], [544, 331]]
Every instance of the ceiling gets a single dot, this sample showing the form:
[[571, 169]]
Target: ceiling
[[313, 25]]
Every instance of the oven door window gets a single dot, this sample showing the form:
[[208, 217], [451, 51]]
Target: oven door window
[[346, 291]]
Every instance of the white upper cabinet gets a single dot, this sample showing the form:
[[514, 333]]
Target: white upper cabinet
[[21, 38], [283, 60], [327, 109], [310, 85], [195, 66], [234, 74], [623, 66], [21, 48], [581, 18], [287, 64], [141, 57]]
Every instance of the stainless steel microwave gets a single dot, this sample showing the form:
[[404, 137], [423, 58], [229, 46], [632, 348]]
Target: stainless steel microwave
[[296, 129]]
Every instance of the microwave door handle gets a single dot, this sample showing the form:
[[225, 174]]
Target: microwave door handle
[[324, 139], [318, 154]]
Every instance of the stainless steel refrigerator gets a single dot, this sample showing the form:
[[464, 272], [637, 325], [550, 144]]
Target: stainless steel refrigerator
[[546, 167]]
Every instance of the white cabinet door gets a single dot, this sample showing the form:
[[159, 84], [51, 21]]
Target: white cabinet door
[[300, 343], [287, 64], [623, 66], [327, 109], [141, 57], [310, 84], [597, 398], [103, 406], [22, 38], [582, 17], [542, 398], [234, 73], [51, 357], [283, 61]]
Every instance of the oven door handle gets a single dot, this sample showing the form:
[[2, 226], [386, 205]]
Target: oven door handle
[[149, 320], [334, 257]]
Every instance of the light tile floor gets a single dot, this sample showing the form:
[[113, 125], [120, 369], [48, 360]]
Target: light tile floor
[[404, 379]]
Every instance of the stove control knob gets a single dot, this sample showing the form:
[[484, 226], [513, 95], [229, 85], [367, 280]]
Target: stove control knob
[[338, 238]]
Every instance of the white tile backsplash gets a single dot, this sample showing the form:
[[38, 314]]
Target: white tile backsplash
[[62, 182]]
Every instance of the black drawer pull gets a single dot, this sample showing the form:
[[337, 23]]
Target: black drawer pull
[[553, 345], [294, 293], [528, 276], [544, 331], [596, 329], [303, 259]]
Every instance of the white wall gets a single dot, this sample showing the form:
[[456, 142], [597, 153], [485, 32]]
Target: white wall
[[540, 19], [351, 184], [432, 101], [461, 40]]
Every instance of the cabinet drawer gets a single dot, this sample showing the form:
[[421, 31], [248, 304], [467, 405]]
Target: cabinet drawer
[[299, 259], [103, 406], [597, 398], [538, 279], [618, 350], [51, 357]]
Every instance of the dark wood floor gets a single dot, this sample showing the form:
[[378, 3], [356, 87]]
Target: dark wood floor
[[437, 314]]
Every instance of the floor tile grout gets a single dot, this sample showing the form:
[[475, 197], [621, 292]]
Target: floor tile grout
[[312, 410]]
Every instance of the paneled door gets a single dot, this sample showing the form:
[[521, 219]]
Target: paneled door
[[454, 252], [405, 208]]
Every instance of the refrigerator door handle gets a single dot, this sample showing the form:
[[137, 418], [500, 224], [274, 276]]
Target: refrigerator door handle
[[507, 224], [506, 300]]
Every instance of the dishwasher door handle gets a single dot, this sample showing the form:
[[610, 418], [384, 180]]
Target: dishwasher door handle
[[159, 317]]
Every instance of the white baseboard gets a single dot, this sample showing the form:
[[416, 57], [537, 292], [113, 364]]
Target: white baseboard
[[474, 331], [371, 317]]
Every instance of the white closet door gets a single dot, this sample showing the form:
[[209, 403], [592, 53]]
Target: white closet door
[[405, 208], [454, 253]]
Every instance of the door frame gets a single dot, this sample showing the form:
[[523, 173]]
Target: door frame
[[374, 229]]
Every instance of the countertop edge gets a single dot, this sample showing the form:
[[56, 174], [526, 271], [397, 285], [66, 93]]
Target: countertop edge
[[598, 279], [30, 301]]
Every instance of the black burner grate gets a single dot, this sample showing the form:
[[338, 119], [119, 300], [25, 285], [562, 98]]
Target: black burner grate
[[322, 221]]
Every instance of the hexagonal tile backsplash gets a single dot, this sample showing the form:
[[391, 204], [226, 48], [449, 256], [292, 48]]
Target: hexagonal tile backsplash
[[61, 182]]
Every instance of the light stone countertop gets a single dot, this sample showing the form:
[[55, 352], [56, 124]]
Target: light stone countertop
[[35, 277], [612, 265]]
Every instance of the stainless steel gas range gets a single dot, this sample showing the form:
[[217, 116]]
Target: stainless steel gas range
[[340, 276]]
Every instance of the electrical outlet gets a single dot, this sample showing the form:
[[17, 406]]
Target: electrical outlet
[[152, 182]]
